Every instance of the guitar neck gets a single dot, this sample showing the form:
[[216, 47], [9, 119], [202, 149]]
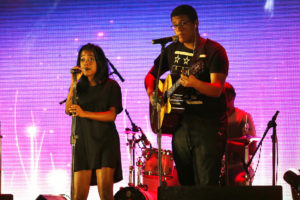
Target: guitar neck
[[195, 67], [171, 90]]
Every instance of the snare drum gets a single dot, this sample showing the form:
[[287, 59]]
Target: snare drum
[[151, 162], [134, 193]]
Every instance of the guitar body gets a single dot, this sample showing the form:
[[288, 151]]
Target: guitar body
[[169, 115], [170, 123]]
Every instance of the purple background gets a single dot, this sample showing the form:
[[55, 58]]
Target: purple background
[[38, 46]]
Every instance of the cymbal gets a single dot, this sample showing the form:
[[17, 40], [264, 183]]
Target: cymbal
[[244, 139]]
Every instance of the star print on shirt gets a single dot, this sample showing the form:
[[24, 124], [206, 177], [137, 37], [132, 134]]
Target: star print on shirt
[[186, 60], [177, 58]]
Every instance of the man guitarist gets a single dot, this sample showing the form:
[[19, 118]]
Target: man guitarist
[[198, 143]]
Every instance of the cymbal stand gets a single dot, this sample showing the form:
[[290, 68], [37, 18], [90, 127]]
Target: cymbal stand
[[246, 153], [246, 160], [131, 143]]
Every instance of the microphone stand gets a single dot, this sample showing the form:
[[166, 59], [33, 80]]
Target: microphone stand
[[271, 124], [134, 127], [132, 144], [74, 137], [157, 108], [114, 70]]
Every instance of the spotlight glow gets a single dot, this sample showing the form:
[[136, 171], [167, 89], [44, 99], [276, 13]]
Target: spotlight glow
[[269, 6], [57, 180], [32, 131], [100, 34]]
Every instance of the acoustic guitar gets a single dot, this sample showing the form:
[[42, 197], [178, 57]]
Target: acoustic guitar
[[172, 105]]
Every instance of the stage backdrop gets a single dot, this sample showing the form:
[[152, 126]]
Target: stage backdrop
[[39, 41]]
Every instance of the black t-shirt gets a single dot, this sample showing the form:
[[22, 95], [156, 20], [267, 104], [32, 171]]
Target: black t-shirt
[[214, 59]]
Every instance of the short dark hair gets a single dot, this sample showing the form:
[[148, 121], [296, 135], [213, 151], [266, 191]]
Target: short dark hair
[[185, 10], [102, 68]]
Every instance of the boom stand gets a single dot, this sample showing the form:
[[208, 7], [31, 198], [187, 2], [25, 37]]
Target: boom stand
[[271, 124], [74, 137], [157, 107]]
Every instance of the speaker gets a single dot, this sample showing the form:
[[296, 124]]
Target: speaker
[[220, 193], [50, 197], [6, 197]]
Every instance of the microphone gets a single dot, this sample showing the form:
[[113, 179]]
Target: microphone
[[144, 138], [293, 179], [134, 127], [63, 101], [75, 71], [165, 40]]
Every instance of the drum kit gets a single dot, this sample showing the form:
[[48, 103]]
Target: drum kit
[[147, 168], [147, 165]]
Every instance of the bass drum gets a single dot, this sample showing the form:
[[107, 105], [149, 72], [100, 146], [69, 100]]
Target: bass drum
[[135, 193]]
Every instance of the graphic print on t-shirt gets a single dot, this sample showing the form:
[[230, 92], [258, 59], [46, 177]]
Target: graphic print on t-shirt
[[181, 62]]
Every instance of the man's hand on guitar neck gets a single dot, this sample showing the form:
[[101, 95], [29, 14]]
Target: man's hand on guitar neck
[[188, 81]]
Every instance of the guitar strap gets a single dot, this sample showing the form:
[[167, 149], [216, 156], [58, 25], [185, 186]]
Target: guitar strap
[[199, 51]]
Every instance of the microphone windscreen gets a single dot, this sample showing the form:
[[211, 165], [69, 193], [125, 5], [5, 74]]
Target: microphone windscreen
[[75, 71]]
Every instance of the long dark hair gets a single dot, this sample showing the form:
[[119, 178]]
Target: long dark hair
[[102, 68]]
